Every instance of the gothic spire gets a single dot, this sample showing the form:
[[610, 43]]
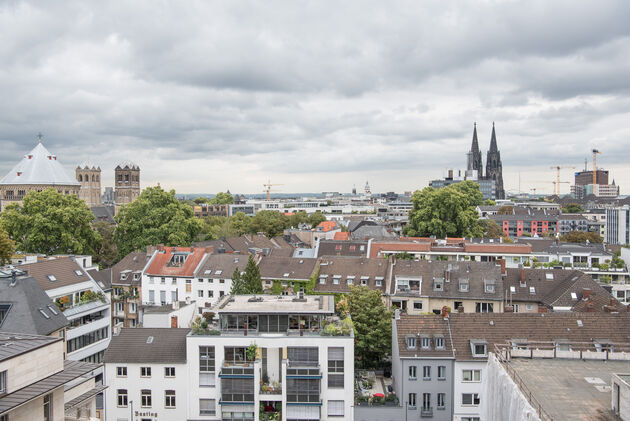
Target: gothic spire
[[475, 144], [474, 161], [493, 140]]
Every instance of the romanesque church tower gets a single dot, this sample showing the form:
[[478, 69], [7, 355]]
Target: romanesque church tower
[[89, 176], [127, 183]]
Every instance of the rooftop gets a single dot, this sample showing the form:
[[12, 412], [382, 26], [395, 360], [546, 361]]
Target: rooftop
[[13, 344], [57, 272], [176, 261], [147, 345], [290, 268], [39, 167], [276, 304]]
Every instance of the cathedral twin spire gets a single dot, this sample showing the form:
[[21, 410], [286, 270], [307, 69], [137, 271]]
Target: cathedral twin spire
[[494, 168]]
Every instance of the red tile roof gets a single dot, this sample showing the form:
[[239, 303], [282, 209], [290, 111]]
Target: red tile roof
[[326, 226], [159, 265], [342, 236], [397, 246]]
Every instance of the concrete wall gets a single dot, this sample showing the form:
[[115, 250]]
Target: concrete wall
[[460, 387], [21, 371], [622, 406], [32, 411], [379, 413]]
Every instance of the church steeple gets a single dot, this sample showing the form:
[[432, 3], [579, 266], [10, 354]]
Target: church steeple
[[474, 162], [494, 168], [493, 140]]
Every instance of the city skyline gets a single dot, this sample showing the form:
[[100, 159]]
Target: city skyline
[[208, 98]]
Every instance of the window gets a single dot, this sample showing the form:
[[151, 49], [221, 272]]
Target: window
[[425, 342], [484, 307], [471, 399], [145, 398], [210, 294], [532, 290], [200, 293], [206, 366], [48, 409], [426, 372], [335, 367], [169, 399], [379, 282], [479, 348], [145, 371], [438, 284], [3, 382], [121, 371], [411, 342], [335, 280], [489, 286], [221, 293], [169, 371], [426, 401], [458, 304], [441, 372], [463, 285], [413, 372], [529, 307], [471, 375], [441, 400], [417, 305], [471, 419], [121, 398], [335, 408], [439, 342], [350, 279], [207, 407], [412, 400], [151, 296], [322, 280]]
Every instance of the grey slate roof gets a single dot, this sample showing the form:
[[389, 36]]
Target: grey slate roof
[[377, 232], [132, 263], [361, 268], [102, 277], [275, 268], [226, 263], [26, 298], [130, 346], [103, 214], [342, 248], [63, 269]]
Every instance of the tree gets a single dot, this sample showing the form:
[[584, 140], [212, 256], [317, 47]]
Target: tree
[[107, 253], [316, 218], [271, 222], [51, 223], [373, 326], [201, 200], [449, 211], [241, 223], [491, 229], [489, 202], [222, 199], [572, 208], [155, 217], [249, 282], [506, 210], [7, 247], [617, 261], [581, 237]]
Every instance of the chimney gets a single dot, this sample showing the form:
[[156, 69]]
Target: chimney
[[397, 314], [542, 309], [590, 306], [445, 312], [586, 293], [508, 309], [447, 275], [460, 309], [503, 269], [522, 275]]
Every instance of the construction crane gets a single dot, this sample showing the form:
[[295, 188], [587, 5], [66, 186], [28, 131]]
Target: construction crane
[[534, 190], [558, 182], [268, 187], [595, 186]]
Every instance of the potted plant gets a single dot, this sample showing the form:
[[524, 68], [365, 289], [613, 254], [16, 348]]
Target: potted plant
[[250, 352]]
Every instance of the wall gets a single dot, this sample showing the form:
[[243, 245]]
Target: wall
[[622, 408], [379, 413], [432, 386], [460, 387], [32, 411], [22, 371]]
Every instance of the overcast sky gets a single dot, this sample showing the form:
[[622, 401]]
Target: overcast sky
[[318, 96]]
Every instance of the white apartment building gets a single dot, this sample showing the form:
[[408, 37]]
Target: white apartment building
[[213, 279], [618, 225], [146, 375]]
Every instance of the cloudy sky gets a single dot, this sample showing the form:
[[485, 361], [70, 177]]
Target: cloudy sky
[[316, 95]]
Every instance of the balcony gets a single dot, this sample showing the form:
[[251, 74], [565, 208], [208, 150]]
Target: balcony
[[271, 388], [303, 369], [237, 369], [297, 398], [426, 412]]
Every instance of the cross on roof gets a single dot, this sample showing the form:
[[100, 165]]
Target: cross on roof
[[40, 136]]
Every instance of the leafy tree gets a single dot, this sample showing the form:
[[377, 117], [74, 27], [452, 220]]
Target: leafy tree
[[49, 222], [572, 208], [506, 210], [241, 223], [489, 202], [316, 218], [449, 211], [155, 217], [7, 247], [222, 199], [373, 326], [298, 218], [107, 253], [201, 200], [249, 282], [272, 223], [581, 237], [491, 229], [617, 261]]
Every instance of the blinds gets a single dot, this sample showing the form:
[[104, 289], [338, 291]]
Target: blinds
[[335, 353], [303, 354], [335, 408]]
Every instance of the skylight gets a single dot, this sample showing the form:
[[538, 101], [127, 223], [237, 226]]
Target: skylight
[[150, 340], [51, 278], [549, 276], [44, 313], [52, 310], [218, 272], [78, 272]]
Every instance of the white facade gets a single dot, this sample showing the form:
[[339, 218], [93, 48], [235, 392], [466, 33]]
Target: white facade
[[162, 290], [469, 387], [180, 315], [210, 286], [618, 225], [127, 377]]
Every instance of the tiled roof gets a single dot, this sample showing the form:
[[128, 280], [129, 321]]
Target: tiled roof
[[221, 265], [102, 277], [341, 236], [397, 247], [247, 242], [360, 270], [423, 326], [159, 266], [293, 267], [65, 271], [326, 226], [147, 345], [342, 248], [131, 264], [501, 327]]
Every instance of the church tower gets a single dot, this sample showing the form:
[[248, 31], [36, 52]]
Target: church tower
[[474, 160], [494, 168], [127, 183], [89, 176]]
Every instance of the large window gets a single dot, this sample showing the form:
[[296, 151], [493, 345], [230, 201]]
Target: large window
[[413, 372], [484, 307], [122, 398], [48, 407], [169, 371], [441, 400], [306, 356], [426, 401], [87, 339], [121, 371], [412, 400], [471, 399], [335, 408], [335, 367], [471, 375], [441, 372], [145, 398], [237, 390], [145, 371], [303, 390], [169, 399], [207, 407], [426, 372], [3, 382], [206, 366]]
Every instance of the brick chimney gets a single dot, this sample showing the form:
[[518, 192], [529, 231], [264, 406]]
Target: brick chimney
[[503, 269], [586, 293], [508, 309], [522, 275], [590, 306], [542, 309]]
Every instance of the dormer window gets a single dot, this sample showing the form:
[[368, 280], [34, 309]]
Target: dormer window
[[520, 344], [364, 280], [532, 290], [463, 285], [489, 286], [123, 276], [177, 260], [479, 347], [218, 272], [602, 345], [136, 276], [411, 342], [562, 345], [425, 342], [379, 282], [513, 289], [439, 342], [78, 272], [438, 284], [549, 276], [322, 280]]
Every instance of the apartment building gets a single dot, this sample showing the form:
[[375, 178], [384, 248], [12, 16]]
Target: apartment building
[[170, 274], [36, 383], [126, 281], [618, 225], [426, 287], [339, 274], [83, 303], [286, 270], [282, 354], [146, 375], [213, 279]]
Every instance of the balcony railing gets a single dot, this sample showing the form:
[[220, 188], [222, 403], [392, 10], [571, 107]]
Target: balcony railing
[[303, 397], [426, 412], [237, 397], [237, 369]]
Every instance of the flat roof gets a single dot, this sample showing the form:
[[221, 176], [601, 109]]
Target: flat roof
[[276, 304], [570, 389]]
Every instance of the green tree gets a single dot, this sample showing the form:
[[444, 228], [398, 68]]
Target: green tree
[[155, 217], [298, 218], [506, 210], [572, 208], [222, 199], [617, 261], [271, 222], [373, 326], [241, 223], [489, 202], [7, 247], [49, 222], [201, 200], [249, 282], [449, 211], [316, 218], [581, 237], [107, 253], [491, 229]]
